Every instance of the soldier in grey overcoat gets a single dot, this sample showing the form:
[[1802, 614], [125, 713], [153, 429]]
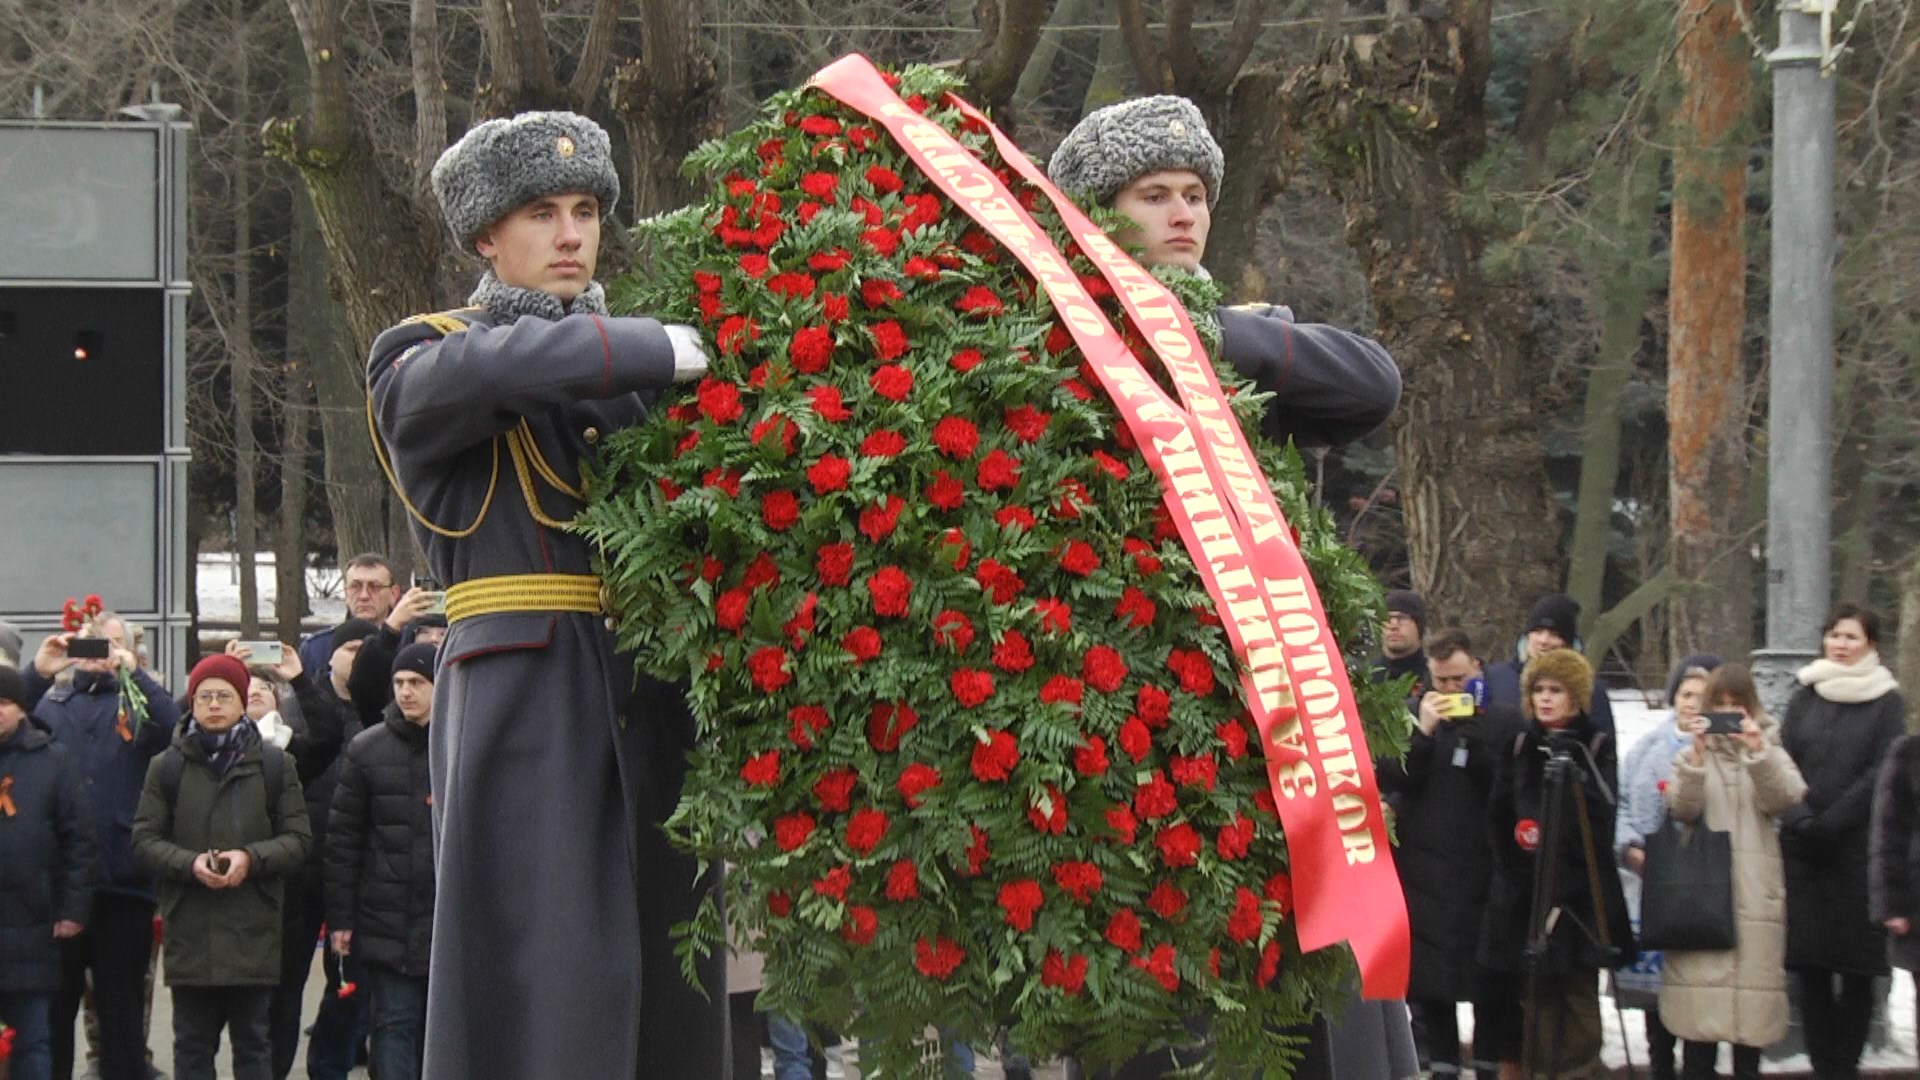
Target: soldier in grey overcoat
[[552, 768]]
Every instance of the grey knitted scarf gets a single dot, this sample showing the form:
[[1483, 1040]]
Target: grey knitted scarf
[[508, 303]]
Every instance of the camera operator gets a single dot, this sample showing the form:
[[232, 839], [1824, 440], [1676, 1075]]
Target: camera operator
[[1441, 793], [1551, 1022]]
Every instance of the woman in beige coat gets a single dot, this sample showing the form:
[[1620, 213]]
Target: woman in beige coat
[[1738, 784]]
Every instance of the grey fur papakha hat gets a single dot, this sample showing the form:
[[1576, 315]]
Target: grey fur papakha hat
[[1117, 145], [500, 165]]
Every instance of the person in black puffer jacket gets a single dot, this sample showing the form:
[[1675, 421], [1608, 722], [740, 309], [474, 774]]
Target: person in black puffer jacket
[[46, 872], [380, 865], [1563, 1015]]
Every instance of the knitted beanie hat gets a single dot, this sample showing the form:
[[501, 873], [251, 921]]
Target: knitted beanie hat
[[418, 659], [223, 667]]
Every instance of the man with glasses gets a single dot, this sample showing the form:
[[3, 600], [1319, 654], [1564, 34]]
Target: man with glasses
[[371, 594]]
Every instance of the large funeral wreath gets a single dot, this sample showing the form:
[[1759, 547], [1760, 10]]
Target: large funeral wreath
[[972, 742]]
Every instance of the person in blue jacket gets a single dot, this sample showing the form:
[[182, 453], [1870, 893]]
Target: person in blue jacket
[[111, 738], [1552, 623]]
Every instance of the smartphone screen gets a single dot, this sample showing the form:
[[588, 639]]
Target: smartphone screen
[[1723, 723], [263, 653], [90, 648]]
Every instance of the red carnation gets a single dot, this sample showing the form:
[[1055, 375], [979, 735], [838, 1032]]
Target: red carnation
[[1073, 496], [883, 241], [1018, 517], [1233, 736], [799, 628], [889, 341], [1123, 931], [834, 564], [1153, 705], [890, 588], [811, 349], [1179, 845], [866, 208], [956, 542], [1103, 669], [883, 444], [786, 430], [915, 781], [1062, 688], [1026, 422], [879, 292], [1194, 670], [754, 266], [1020, 899], [863, 642], [779, 905], [1055, 617], [998, 470], [834, 884], [971, 688], [1167, 901], [820, 185], [979, 301], [827, 404], [1243, 925], [994, 759], [730, 609], [1144, 560], [1236, 839], [762, 770], [1269, 962], [903, 881], [719, 401], [1000, 582], [976, 851], [834, 789], [892, 382], [921, 268], [965, 360], [952, 630], [1079, 880], [937, 959], [865, 829], [877, 522], [1091, 759], [946, 491], [883, 179], [862, 922], [792, 830], [1193, 771], [830, 473], [1012, 653], [1279, 889], [1111, 465], [834, 307], [807, 211], [1079, 558], [1049, 815], [820, 125], [1135, 609], [768, 667], [780, 510], [804, 722], [1135, 739], [956, 437], [1155, 798], [706, 281], [1159, 964], [1123, 823], [761, 571], [888, 723], [977, 242], [793, 285], [1068, 974]]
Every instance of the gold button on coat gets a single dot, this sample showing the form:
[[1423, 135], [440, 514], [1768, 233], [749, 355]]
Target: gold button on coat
[[592, 435]]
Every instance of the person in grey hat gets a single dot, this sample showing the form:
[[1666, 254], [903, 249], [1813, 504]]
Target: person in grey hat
[[1154, 160], [552, 768]]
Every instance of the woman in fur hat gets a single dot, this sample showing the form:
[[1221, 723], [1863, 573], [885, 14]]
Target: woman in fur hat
[[1840, 726], [1554, 1025]]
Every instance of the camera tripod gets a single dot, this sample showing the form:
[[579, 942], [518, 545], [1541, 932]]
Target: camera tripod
[[1561, 773]]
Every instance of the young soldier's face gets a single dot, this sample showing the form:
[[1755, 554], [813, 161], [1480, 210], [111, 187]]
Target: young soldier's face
[[550, 245], [1170, 210]]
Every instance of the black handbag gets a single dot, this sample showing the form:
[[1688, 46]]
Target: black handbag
[[1686, 899]]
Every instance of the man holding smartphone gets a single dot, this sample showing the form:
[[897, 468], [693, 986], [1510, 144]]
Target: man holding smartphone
[[1440, 795]]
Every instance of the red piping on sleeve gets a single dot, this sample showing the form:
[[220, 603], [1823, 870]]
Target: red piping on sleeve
[[1286, 369], [606, 352]]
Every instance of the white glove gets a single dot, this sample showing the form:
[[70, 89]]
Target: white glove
[[690, 357]]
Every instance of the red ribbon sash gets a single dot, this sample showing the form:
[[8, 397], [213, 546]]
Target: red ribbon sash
[[1293, 679]]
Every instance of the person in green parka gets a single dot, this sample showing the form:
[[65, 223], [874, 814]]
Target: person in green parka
[[222, 822]]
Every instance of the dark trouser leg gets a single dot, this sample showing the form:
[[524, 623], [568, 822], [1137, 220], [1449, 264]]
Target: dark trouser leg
[[1817, 1018], [340, 1023], [399, 1014], [1699, 1059], [1746, 1062], [1441, 1036], [744, 1027], [198, 1015], [301, 928], [75, 953], [122, 949], [250, 1031], [1660, 1046], [1853, 1016]]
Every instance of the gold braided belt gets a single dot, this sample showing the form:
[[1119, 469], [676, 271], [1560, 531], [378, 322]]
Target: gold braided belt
[[524, 593]]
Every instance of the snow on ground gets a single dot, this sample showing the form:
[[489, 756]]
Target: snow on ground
[[1893, 1049]]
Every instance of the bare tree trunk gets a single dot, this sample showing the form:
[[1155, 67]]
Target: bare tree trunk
[[667, 101], [1039, 70], [1110, 70], [1706, 384], [246, 521], [290, 548], [1009, 32], [1397, 119]]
